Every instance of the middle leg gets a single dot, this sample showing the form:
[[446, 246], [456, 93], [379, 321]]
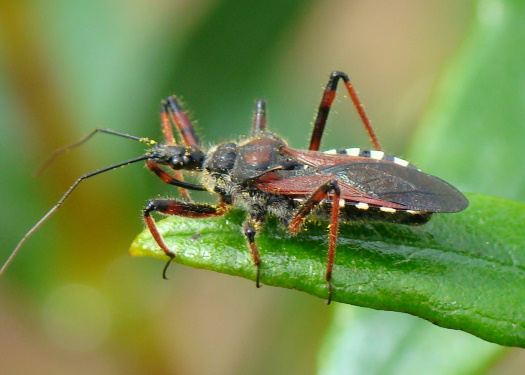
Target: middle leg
[[251, 227]]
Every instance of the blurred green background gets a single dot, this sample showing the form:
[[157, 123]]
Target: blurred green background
[[73, 301]]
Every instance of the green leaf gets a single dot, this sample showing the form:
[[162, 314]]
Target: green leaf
[[463, 271]]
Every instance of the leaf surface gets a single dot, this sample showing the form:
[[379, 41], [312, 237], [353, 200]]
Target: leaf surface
[[464, 271]]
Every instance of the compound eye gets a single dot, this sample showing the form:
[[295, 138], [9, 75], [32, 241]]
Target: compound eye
[[178, 161]]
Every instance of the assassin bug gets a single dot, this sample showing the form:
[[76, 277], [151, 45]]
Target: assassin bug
[[266, 177]]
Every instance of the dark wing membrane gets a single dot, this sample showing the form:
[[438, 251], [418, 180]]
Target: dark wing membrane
[[303, 183], [319, 159], [391, 182]]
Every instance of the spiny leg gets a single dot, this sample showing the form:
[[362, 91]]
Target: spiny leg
[[326, 104], [167, 178], [320, 194], [332, 240], [251, 228], [259, 118], [173, 207], [182, 122], [167, 130], [166, 124]]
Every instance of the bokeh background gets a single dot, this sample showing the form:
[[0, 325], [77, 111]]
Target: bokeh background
[[73, 301]]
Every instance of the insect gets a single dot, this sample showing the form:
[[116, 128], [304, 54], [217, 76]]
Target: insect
[[265, 176]]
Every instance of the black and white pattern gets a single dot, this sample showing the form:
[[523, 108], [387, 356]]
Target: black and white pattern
[[372, 154]]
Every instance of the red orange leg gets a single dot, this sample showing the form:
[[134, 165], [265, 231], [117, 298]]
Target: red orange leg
[[173, 207], [320, 194], [167, 130], [332, 241], [326, 105], [167, 178], [182, 122], [251, 228], [165, 122]]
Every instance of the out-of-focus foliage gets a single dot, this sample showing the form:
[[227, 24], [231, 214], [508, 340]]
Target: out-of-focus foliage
[[73, 295]]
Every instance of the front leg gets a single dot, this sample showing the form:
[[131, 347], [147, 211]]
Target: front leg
[[173, 207]]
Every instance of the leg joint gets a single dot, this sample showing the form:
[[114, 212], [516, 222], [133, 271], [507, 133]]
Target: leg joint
[[155, 205], [339, 74], [334, 186], [329, 186], [250, 232], [334, 77]]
